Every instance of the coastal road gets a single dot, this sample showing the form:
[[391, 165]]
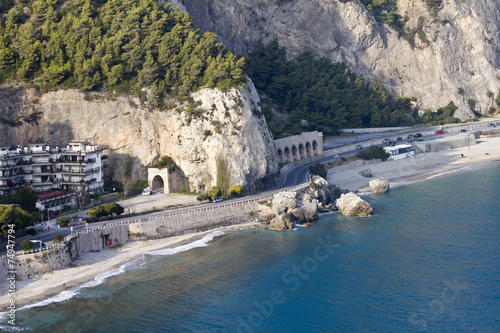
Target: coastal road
[[295, 176]]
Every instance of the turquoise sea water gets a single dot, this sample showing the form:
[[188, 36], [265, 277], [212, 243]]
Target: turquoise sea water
[[427, 260]]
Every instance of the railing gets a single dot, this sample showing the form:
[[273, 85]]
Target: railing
[[156, 218]]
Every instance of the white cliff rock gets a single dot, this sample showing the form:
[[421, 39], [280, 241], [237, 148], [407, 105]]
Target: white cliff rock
[[228, 126], [284, 202], [380, 185], [350, 204], [458, 49]]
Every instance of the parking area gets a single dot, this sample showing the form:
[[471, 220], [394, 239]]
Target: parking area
[[157, 200]]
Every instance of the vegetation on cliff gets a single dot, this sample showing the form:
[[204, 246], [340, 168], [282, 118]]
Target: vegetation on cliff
[[326, 95], [121, 45]]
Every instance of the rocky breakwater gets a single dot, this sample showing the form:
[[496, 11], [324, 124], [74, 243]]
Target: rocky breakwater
[[350, 204], [290, 207]]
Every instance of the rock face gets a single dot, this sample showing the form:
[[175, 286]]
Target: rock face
[[455, 49], [227, 127], [380, 185], [303, 205], [366, 173], [350, 204]]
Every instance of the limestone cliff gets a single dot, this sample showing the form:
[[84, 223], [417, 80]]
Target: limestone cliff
[[221, 125], [459, 48]]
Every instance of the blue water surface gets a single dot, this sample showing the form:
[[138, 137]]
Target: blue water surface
[[427, 260]]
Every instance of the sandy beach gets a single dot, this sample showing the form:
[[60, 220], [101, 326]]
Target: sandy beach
[[90, 265], [421, 166]]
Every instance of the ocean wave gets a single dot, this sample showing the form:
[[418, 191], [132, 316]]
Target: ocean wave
[[182, 248], [101, 278]]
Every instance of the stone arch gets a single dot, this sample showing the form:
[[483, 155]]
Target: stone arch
[[295, 155], [288, 155], [302, 151], [158, 183], [308, 149], [315, 147], [280, 154]]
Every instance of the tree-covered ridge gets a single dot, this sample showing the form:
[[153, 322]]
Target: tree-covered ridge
[[122, 45], [325, 94]]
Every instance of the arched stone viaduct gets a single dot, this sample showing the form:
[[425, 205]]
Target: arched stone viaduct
[[298, 147]]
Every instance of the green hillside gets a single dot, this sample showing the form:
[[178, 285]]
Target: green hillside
[[325, 94], [121, 45]]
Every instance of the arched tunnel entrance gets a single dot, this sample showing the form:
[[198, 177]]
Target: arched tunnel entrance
[[158, 183]]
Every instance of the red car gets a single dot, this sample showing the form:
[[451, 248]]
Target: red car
[[439, 131]]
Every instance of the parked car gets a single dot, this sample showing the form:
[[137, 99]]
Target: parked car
[[439, 131], [492, 125], [410, 137], [463, 130], [359, 147], [336, 156], [418, 135], [498, 123], [399, 138], [217, 200], [386, 141]]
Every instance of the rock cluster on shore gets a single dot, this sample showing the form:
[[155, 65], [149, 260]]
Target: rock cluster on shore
[[290, 207]]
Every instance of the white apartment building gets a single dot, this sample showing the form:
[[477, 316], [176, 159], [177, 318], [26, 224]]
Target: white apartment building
[[77, 167]]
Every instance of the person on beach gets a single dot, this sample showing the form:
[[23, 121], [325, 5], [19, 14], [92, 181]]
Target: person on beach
[[29, 276], [36, 277]]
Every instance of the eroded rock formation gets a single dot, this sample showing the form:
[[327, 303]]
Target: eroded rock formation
[[350, 204], [380, 185], [455, 49], [225, 126]]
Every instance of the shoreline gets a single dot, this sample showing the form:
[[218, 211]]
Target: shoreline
[[86, 269], [92, 269], [411, 170]]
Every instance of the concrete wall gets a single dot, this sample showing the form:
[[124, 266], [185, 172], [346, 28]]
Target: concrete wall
[[168, 224], [93, 238], [299, 147], [447, 143], [371, 130]]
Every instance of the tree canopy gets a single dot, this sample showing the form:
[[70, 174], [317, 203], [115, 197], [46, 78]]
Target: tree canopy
[[120, 45], [326, 95]]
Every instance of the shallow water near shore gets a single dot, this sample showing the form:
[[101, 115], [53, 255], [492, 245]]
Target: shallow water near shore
[[428, 260]]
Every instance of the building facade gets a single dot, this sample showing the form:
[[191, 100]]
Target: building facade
[[77, 167]]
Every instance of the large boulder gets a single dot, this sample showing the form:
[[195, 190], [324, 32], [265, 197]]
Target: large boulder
[[366, 173], [281, 222], [380, 185], [284, 202], [351, 204], [307, 209], [324, 192]]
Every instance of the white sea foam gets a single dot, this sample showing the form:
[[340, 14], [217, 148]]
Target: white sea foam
[[101, 278], [182, 248]]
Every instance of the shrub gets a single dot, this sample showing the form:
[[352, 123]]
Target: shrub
[[203, 197], [236, 190], [373, 152], [63, 220], [58, 238], [318, 169], [27, 245], [214, 192], [164, 162]]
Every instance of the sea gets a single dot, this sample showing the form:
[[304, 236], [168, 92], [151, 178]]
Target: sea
[[428, 260]]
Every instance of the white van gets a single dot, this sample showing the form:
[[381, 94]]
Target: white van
[[147, 191]]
